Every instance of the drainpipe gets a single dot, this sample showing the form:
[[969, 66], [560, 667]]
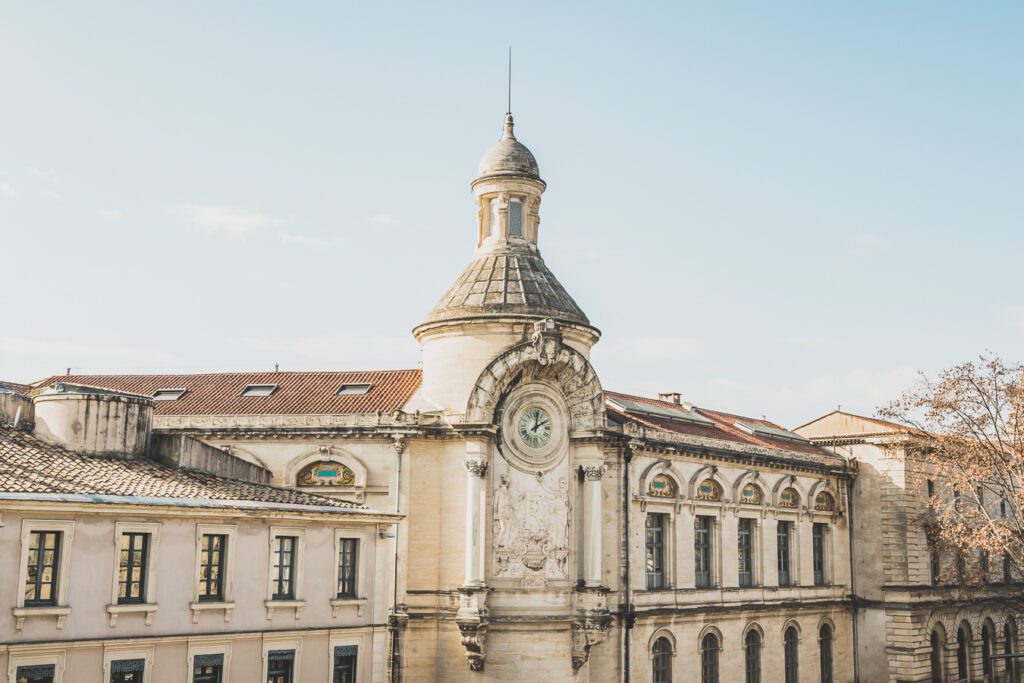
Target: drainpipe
[[396, 659], [853, 579], [627, 458]]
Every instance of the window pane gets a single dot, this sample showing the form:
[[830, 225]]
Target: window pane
[[347, 568], [345, 664], [515, 218]]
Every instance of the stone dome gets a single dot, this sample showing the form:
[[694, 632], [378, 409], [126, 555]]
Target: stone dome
[[514, 282], [508, 158]]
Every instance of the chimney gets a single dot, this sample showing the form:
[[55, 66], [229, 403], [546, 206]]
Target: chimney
[[671, 397], [93, 421]]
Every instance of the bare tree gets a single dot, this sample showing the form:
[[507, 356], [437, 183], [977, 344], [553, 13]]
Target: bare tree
[[966, 430]]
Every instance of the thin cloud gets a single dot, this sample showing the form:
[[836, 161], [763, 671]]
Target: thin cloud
[[111, 214], [225, 219], [7, 190], [384, 219], [303, 240], [648, 347]]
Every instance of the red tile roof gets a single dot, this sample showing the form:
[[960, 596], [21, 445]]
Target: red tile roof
[[723, 428], [297, 393], [15, 387], [30, 466]]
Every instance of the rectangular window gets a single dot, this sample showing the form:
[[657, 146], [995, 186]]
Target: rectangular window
[[208, 669], [983, 563], [931, 488], [42, 568], [515, 218], [40, 673], [279, 666], [347, 558], [655, 544], [212, 557], [127, 670], [782, 535], [818, 535], [935, 566], [493, 224], [702, 530], [131, 577], [284, 568], [746, 552], [345, 664], [1007, 568]]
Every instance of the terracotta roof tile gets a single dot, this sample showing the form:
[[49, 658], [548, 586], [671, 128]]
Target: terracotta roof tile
[[297, 393], [15, 387], [723, 428], [28, 465]]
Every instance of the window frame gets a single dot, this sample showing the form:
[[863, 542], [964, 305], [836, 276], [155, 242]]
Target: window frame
[[43, 657], [297, 599], [820, 549], [791, 667], [752, 674], [661, 547], [826, 652], [360, 642], [787, 550], [750, 549], [227, 601], [211, 647], [116, 654], [150, 565], [707, 550], [60, 607], [342, 538], [714, 673], [655, 654]]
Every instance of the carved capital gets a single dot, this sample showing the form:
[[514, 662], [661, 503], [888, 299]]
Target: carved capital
[[399, 442], [476, 466], [594, 472]]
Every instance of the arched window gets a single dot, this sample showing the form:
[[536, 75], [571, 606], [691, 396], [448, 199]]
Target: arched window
[[962, 654], [936, 657], [792, 653], [986, 650], [1010, 647], [661, 664], [752, 655], [825, 653], [709, 659]]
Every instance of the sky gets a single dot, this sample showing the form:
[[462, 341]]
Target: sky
[[772, 208]]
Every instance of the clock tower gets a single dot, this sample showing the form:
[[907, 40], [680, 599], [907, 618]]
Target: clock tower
[[506, 365]]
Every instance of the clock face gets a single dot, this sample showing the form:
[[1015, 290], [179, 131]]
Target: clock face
[[535, 427]]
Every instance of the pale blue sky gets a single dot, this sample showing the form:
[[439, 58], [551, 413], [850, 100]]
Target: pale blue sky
[[773, 208]]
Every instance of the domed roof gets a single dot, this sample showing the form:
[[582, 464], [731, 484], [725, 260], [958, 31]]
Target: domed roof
[[512, 282], [508, 157]]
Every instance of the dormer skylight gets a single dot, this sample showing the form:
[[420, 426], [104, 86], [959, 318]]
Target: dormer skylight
[[254, 390], [770, 432], [354, 389], [683, 413], [168, 394]]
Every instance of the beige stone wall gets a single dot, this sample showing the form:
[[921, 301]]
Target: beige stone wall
[[87, 630]]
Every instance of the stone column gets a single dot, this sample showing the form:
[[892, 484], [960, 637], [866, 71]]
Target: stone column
[[476, 469], [592, 524]]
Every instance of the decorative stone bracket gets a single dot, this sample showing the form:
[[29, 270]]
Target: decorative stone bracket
[[472, 622], [590, 625], [546, 340]]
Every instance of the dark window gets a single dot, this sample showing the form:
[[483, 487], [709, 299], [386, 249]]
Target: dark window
[[961, 565], [984, 565], [1002, 509], [709, 659], [127, 670], [933, 555], [986, 650], [284, 568], [702, 527], [825, 654], [1009, 645], [208, 669], [931, 488], [1007, 568], [655, 548], [347, 568], [746, 552], [279, 666], [212, 560], [936, 658], [961, 653], [818, 543], [40, 673], [131, 577], [345, 664], [662, 661], [782, 538], [43, 564], [792, 655], [752, 656]]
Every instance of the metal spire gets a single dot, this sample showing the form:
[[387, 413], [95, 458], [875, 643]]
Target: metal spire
[[509, 110]]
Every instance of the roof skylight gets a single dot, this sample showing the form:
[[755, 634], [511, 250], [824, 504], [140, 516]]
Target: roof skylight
[[168, 394], [771, 432], [354, 389], [663, 411], [259, 390]]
